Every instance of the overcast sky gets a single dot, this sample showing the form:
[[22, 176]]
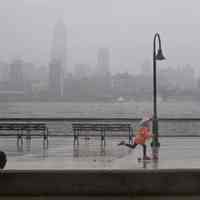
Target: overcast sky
[[126, 27]]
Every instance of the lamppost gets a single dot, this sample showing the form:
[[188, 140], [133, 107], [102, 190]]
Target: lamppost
[[157, 55]]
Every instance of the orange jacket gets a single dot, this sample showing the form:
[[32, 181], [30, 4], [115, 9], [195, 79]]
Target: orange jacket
[[142, 135]]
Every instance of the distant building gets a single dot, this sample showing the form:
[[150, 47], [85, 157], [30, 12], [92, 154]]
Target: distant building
[[4, 71], [58, 66], [55, 79], [146, 68], [122, 81], [16, 80], [188, 77], [123, 85], [181, 78], [103, 77], [103, 63], [59, 45], [82, 71]]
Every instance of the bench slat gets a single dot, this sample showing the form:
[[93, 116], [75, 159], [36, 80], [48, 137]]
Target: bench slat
[[101, 127], [22, 126]]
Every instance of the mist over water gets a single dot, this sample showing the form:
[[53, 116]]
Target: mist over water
[[130, 109]]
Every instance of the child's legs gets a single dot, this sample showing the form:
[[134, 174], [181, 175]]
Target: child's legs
[[131, 145]]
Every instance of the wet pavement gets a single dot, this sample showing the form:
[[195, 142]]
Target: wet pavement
[[61, 154], [175, 153]]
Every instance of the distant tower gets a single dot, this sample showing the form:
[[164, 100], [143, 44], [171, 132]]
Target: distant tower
[[58, 66], [103, 62], [16, 75], [55, 79], [59, 45], [103, 77]]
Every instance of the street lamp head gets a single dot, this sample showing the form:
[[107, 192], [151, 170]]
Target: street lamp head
[[159, 55]]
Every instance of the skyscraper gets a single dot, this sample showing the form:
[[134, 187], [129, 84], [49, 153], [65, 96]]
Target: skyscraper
[[59, 44], [57, 66], [103, 77], [55, 79], [16, 75], [103, 62]]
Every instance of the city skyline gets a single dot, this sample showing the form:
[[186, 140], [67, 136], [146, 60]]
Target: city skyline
[[27, 33]]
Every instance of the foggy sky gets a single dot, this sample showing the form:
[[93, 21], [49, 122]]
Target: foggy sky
[[126, 27]]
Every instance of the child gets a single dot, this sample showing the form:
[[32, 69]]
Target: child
[[142, 135]]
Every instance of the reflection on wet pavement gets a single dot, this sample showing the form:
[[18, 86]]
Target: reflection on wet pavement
[[90, 154]]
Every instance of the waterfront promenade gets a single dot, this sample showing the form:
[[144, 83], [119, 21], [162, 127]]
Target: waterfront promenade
[[104, 167], [175, 152], [61, 172]]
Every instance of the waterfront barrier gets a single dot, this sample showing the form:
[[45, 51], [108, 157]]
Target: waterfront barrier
[[172, 127], [100, 182]]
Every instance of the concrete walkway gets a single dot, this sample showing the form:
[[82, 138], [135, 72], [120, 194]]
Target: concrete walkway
[[174, 153]]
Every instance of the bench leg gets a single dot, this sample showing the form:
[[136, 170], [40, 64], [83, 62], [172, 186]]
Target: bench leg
[[45, 144], [76, 139], [28, 135], [103, 141], [19, 141], [129, 137], [45, 139], [74, 131]]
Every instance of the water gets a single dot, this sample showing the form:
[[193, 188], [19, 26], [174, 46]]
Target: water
[[118, 109], [61, 154]]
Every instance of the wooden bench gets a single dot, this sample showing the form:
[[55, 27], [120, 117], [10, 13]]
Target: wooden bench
[[27, 127], [102, 128]]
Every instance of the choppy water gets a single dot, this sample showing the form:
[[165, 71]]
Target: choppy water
[[123, 109]]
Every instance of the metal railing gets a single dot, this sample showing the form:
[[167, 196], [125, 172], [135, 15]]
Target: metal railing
[[168, 127]]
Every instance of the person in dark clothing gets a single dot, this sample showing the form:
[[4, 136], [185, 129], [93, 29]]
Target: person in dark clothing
[[3, 159]]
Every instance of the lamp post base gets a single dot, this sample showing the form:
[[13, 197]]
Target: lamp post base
[[155, 143]]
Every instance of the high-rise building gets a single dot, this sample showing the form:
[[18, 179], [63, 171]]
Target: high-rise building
[[103, 62], [59, 44], [82, 71], [4, 71], [55, 80], [58, 66], [103, 77], [16, 75]]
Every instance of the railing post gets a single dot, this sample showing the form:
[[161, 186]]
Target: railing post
[[74, 131]]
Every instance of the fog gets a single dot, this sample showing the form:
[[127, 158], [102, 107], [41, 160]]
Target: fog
[[126, 27]]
